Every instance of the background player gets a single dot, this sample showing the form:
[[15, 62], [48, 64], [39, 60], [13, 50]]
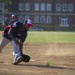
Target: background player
[[13, 19]]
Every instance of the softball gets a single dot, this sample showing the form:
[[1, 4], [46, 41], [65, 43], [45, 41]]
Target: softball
[[47, 64]]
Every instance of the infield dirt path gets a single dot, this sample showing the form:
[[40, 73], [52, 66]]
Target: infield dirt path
[[60, 56]]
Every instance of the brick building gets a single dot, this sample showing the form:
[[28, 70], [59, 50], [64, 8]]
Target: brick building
[[47, 14]]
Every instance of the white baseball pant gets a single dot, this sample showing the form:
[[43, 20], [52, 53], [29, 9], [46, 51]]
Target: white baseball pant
[[15, 48]]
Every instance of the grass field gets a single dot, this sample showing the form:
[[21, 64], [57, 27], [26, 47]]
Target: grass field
[[50, 37]]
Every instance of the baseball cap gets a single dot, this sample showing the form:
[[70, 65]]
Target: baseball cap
[[28, 23], [12, 15]]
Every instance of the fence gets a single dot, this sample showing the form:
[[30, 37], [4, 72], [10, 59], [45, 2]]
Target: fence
[[45, 27], [38, 27]]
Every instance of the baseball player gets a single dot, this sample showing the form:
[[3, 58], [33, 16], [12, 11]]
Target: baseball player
[[13, 19], [16, 35]]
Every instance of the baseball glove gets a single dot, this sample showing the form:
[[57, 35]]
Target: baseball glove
[[26, 58]]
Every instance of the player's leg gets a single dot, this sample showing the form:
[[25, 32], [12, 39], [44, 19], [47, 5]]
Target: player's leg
[[16, 52], [3, 43]]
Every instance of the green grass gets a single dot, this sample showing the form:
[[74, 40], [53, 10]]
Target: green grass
[[50, 37]]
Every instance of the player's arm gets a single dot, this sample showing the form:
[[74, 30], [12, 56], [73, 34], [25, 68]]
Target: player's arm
[[26, 58], [21, 46], [10, 32], [21, 41]]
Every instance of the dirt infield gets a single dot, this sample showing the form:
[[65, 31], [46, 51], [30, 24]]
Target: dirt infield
[[60, 56]]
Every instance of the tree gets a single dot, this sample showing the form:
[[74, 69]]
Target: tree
[[6, 2]]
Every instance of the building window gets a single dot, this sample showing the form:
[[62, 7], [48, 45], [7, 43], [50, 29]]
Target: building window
[[26, 17], [70, 7], [1, 18], [63, 22], [42, 19], [36, 7], [49, 8], [64, 7], [58, 7], [27, 7], [21, 18], [36, 19], [21, 7], [48, 20], [1, 7], [42, 7]]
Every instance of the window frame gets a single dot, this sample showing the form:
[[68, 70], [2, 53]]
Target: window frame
[[70, 7], [64, 6], [58, 7], [27, 7], [36, 7], [42, 8], [21, 7], [49, 7]]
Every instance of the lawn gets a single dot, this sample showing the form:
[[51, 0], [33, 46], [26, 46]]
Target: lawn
[[50, 37]]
